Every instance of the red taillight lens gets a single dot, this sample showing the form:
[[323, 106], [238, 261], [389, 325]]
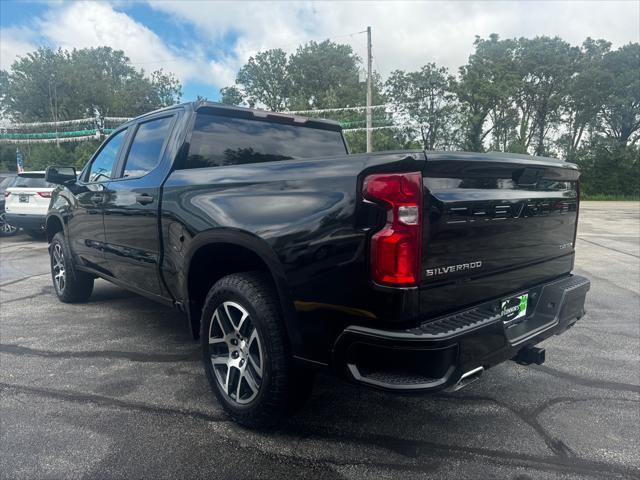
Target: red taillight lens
[[395, 250], [6, 194], [45, 194]]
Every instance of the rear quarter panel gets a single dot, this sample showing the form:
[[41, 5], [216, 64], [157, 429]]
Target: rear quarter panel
[[306, 212]]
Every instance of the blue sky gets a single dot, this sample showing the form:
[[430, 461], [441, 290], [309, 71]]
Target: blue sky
[[205, 43]]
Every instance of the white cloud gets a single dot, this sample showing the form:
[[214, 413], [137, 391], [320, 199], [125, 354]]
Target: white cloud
[[14, 42], [405, 34], [93, 24]]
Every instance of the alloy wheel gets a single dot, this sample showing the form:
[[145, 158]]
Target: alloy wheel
[[57, 267], [236, 352]]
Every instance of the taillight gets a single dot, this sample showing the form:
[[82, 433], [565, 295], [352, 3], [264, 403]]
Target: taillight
[[396, 249], [45, 194], [6, 194]]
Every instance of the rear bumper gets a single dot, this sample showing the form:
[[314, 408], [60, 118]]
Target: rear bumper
[[437, 354], [28, 222]]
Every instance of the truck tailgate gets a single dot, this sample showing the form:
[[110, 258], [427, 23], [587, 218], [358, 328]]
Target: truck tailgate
[[486, 216]]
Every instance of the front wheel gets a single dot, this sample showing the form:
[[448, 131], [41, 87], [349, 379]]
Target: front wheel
[[246, 352], [71, 286], [6, 229]]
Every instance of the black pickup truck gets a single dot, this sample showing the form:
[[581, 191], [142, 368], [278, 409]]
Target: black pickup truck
[[407, 271]]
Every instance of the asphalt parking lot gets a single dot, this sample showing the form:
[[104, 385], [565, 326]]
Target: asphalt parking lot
[[114, 388]]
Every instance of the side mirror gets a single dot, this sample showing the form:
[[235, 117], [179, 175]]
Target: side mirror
[[60, 175]]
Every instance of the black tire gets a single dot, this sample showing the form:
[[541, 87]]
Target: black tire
[[76, 287], [280, 387]]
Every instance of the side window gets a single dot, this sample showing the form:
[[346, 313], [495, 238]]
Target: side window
[[102, 165], [144, 154]]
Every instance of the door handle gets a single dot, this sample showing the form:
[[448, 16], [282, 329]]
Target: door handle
[[97, 198], [144, 199]]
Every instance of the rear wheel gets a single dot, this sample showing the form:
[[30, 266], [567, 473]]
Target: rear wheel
[[6, 229], [246, 353], [71, 286]]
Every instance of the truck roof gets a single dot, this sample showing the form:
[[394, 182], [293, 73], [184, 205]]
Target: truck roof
[[244, 112]]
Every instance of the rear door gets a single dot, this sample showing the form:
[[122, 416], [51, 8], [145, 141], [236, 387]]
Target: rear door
[[132, 245], [85, 225]]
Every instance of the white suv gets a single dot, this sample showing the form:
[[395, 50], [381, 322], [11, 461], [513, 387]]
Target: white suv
[[27, 202]]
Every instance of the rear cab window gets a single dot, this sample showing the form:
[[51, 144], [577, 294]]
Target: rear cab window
[[219, 140]]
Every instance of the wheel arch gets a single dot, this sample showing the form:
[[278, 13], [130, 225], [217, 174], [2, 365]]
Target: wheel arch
[[53, 224], [217, 253]]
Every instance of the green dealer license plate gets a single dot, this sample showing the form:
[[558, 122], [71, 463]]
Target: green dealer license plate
[[514, 309]]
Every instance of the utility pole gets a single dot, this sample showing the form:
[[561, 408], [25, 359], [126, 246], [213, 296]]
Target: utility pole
[[369, 92]]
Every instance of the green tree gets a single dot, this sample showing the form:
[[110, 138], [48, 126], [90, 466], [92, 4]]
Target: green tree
[[166, 88], [265, 80], [424, 98], [485, 85], [325, 75], [585, 96], [620, 115], [546, 67], [48, 85], [231, 96]]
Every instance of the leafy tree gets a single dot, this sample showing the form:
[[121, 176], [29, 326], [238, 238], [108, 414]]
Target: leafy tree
[[546, 66], [424, 98], [231, 96], [585, 96], [609, 168], [485, 85], [620, 116], [48, 85], [83, 151], [166, 87], [265, 80], [325, 75]]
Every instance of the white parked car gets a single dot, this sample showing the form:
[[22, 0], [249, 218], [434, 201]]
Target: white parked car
[[27, 201]]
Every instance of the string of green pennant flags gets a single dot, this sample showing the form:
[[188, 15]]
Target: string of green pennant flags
[[8, 133]]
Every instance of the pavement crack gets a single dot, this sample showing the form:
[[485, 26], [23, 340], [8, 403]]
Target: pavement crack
[[17, 280], [609, 248], [100, 400], [419, 449], [12, 349], [555, 445], [587, 382], [43, 291]]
